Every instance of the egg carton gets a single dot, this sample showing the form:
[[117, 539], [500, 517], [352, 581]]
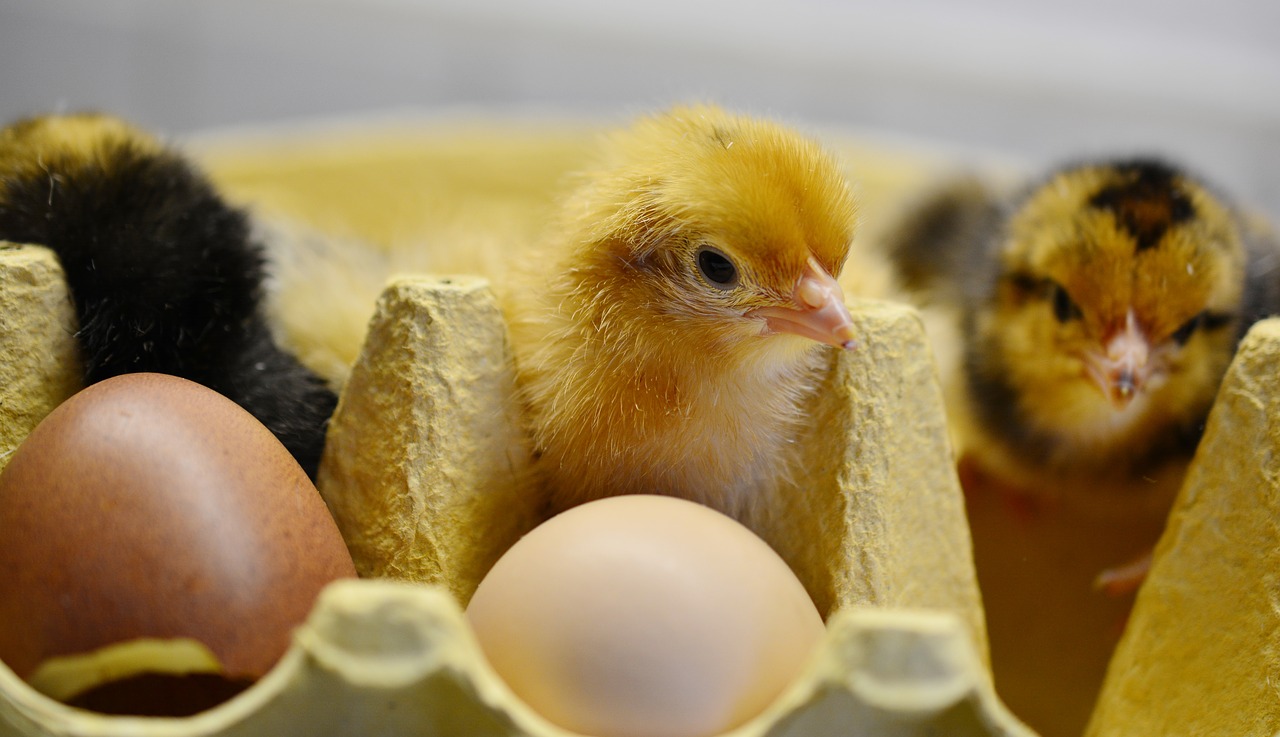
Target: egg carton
[[427, 474]]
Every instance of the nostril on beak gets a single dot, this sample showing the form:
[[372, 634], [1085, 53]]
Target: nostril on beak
[[1126, 384]]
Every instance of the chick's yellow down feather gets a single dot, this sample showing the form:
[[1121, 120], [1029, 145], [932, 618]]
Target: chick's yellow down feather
[[1097, 311], [674, 320]]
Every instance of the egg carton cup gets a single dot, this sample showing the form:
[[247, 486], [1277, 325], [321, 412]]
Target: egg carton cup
[[428, 474]]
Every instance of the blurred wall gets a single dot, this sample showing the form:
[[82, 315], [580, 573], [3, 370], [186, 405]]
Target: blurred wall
[[1195, 79]]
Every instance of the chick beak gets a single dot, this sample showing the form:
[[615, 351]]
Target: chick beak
[[1122, 367], [819, 312]]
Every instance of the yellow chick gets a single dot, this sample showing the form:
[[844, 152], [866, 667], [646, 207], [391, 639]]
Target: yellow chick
[[669, 331], [1096, 315]]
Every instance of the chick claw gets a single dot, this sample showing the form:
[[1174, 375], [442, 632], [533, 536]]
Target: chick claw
[[1125, 578]]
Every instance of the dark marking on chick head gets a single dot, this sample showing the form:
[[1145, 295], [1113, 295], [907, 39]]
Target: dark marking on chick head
[[1147, 200], [722, 137]]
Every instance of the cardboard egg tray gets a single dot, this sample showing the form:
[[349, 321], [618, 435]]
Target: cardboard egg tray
[[426, 472]]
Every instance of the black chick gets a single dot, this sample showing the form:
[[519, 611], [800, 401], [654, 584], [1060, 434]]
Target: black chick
[[164, 274]]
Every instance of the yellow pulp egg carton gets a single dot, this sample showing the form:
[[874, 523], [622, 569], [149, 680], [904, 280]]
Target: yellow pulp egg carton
[[427, 475]]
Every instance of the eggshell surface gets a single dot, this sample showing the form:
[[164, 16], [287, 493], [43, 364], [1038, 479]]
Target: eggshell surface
[[148, 506], [644, 616]]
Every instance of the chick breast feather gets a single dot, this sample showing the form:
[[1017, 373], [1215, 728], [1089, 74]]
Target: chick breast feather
[[671, 326]]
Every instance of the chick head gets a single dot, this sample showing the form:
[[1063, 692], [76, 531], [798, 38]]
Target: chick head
[[34, 147], [714, 230], [1118, 300]]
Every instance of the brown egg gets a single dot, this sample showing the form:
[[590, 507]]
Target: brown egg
[[148, 506]]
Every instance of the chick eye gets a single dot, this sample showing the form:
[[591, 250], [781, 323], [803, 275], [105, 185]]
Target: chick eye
[[716, 268], [1063, 308], [1183, 334]]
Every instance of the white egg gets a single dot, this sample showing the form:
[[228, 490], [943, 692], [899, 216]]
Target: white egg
[[645, 616]]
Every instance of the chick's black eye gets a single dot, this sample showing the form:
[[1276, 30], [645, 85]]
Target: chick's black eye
[[1183, 334], [1063, 308], [717, 269]]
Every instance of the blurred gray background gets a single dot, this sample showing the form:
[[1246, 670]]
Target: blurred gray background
[[1196, 80]]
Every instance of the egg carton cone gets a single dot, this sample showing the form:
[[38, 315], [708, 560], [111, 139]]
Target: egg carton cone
[[1201, 652], [877, 536], [37, 342]]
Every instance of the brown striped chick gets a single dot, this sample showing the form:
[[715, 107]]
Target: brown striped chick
[[1097, 314], [670, 329]]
